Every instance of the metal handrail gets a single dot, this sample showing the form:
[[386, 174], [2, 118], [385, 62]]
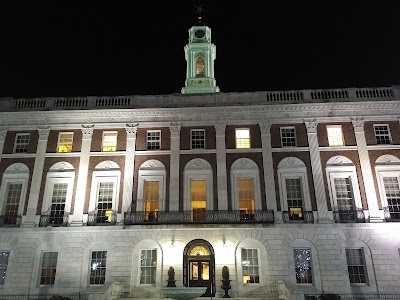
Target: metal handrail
[[10, 220], [348, 215], [95, 219], [391, 214], [50, 218], [307, 217]]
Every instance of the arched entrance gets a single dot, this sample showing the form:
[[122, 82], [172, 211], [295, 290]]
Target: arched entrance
[[199, 266]]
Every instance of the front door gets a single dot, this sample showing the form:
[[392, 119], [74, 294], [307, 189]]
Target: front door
[[199, 273]]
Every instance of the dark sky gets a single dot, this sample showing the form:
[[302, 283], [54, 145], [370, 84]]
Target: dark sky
[[129, 49]]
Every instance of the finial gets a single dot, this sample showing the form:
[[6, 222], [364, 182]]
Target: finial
[[199, 8]]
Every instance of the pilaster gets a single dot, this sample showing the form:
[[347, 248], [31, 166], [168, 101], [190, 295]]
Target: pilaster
[[131, 130], [221, 167], [30, 219], [322, 207], [175, 129], [3, 134], [366, 170]]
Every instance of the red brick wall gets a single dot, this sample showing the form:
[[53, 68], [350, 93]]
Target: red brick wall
[[141, 137], [10, 140], [230, 136], [394, 128], [209, 134], [301, 135]]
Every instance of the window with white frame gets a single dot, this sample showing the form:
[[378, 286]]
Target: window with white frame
[[293, 188], [109, 142], [242, 136], [198, 192], [356, 265], [98, 267], [382, 134], [197, 139], [335, 135], [151, 199], [288, 137], [48, 268], [13, 193], [246, 198], [4, 257], [148, 266], [65, 140], [21, 143], [105, 192], [392, 193], [250, 266], [303, 265], [153, 140]]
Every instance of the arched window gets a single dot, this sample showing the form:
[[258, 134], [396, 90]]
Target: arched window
[[200, 66]]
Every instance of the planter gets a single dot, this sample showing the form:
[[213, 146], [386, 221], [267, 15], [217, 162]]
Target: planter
[[183, 292], [226, 286]]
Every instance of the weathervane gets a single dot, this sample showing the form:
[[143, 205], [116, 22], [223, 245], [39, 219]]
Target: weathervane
[[199, 7]]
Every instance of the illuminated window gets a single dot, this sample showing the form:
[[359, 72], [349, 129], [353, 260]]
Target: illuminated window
[[153, 140], [4, 256], [151, 199], [21, 143], [242, 138], [200, 66], [302, 261], [105, 202], [198, 199], [382, 134], [288, 136], [109, 141], [48, 270], [250, 268], [65, 142], [148, 266], [335, 135], [98, 267], [198, 139], [294, 198], [246, 198], [356, 265]]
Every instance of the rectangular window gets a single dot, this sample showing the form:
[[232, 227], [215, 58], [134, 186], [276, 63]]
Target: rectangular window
[[335, 135], [288, 137], [49, 266], [198, 199], [302, 262], [21, 143], [344, 193], [153, 140], [242, 138], [12, 203], [392, 192], [198, 138], [151, 200], [250, 266], [356, 265], [58, 203], [246, 198], [65, 142], [4, 256], [98, 267], [148, 266], [294, 196], [105, 202], [382, 134], [109, 141]]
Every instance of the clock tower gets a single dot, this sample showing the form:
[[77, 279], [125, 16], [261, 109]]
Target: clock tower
[[200, 55]]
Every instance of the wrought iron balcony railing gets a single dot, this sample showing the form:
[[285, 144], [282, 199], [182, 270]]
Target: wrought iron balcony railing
[[391, 213], [54, 219], [101, 218], [205, 217], [306, 217], [10, 220], [348, 215]]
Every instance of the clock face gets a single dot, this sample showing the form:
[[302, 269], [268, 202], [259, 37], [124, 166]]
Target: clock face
[[199, 34]]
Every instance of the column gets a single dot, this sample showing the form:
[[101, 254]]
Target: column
[[374, 214], [222, 185], [316, 167], [131, 130], [3, 134], [175, 129], [77, 217], [30, 219], [269, 181]]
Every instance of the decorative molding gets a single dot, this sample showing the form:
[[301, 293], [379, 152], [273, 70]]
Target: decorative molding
[[291, 163], [358, 124], [339, 160], [87, 130], [175, 128], [198, 164], [61, 166], [43, 133], [131, 129], [107, 165], [17, 168], [3, 134], [220, 128], [387, 159], [311, 125], [244, 163], [265, 127], [152, 164]]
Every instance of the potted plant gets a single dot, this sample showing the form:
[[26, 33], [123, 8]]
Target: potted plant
[[171, 277], [226, 283]]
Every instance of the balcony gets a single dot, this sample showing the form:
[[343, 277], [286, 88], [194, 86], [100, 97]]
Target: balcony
[[10, 220], [305, 217], [391, 213], [203, 217], [348, 215], [102, 218], [53, 219]]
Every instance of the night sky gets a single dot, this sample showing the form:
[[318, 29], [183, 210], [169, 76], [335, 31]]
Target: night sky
[[136, 49]]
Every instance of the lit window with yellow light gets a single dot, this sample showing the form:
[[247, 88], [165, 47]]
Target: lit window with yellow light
[[200, 67], [198, 199], [242, 136], [109, 141], [65, 142], [246, 197], [151, 199], [335, 135]]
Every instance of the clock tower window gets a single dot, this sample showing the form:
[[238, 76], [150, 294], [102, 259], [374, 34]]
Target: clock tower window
[[199, 67]]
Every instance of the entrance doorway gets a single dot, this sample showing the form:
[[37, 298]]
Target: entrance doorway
[[199, 266]]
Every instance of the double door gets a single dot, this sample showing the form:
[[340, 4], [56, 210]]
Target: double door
[[200, 273]]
